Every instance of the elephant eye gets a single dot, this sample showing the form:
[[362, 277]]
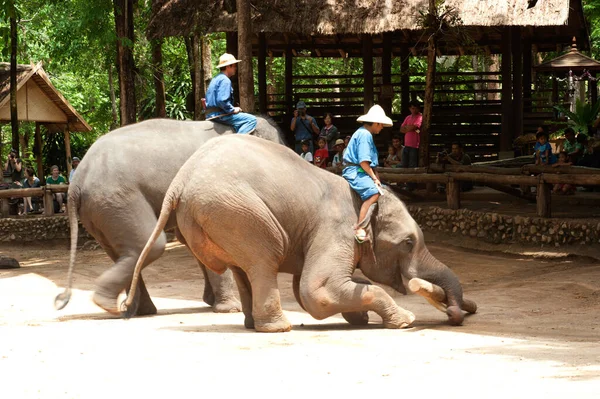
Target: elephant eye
[[409, 243]]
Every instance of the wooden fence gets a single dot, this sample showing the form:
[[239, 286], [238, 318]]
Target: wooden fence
[[44, 192]]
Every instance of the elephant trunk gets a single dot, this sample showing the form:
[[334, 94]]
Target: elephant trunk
[[437, 273]]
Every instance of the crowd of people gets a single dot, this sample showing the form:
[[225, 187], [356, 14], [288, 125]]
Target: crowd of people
[[16, 175]]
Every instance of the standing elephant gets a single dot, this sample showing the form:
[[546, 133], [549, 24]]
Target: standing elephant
[[118, 191], [277, 213]]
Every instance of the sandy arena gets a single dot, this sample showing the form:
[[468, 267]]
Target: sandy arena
[[535, 335]]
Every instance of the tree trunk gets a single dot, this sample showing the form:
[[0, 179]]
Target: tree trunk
[[14, 116], [199, 77], [494, 67], [206, 66], [113, 101], [125, 39], [246, 77], [429, 92], [159, 83]]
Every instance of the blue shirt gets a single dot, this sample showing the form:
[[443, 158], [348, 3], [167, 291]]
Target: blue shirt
[[303, 130], [543, 149], [361, 148], [220, 94]]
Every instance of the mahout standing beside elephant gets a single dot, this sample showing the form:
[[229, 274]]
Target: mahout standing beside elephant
[[118, 192], [259, 218]]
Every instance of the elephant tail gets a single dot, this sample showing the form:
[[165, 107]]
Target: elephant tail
[[169, 203], [63, 298]]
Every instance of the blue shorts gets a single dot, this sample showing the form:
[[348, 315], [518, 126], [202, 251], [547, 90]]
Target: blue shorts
[[360, 182]]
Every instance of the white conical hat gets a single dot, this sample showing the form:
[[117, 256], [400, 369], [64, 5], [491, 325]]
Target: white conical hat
[[376, 115], [227, 59]]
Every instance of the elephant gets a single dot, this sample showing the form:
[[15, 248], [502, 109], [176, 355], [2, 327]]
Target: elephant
[[117, 193], [277, 213]]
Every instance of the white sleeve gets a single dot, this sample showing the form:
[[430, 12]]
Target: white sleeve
[[309, 157]]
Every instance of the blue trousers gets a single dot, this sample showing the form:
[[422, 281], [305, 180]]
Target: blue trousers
[[410, 159], [241, 122]]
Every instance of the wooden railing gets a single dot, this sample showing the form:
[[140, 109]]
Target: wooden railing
[[44, 192], [502, 179]]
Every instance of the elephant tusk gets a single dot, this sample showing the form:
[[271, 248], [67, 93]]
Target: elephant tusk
[[436, 295]]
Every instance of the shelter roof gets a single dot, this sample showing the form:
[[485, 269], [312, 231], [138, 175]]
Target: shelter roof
[[38, 100], [573, 60]]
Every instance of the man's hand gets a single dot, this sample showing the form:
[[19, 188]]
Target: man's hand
[[237, 110], [295, 113]]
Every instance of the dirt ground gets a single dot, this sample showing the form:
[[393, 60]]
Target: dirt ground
[[535, 336]]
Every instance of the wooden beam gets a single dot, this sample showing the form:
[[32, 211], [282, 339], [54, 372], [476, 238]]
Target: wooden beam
[[294, 52], [527, 74], [544, 200], [38, 153], [343, 54], [68, 150], [453, 194], [367, 42], [262, 73], [506, 70], [289, 66], [404, 80], [517, 76]]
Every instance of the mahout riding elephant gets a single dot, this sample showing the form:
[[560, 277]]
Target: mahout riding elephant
[[275, 213], [117, 192]]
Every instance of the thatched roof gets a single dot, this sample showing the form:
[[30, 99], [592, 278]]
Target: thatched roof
[[329, 17], [49, 96]]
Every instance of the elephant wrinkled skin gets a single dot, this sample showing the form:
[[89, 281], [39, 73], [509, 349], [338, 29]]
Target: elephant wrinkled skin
[[117, 193], [275, 212]]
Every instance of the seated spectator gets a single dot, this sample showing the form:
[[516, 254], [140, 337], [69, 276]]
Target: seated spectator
[[397, 143], [563, 188], [346, 141], [457, 156], [306, 154], [590, 157], [329, 132], [338, 158], [30, 181], [543, 150], [14, 166], [322, 155], [392, 159], [74, 164], [56, 178], [573, 148]]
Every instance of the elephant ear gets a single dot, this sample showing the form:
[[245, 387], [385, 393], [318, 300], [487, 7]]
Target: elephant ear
[[367, 220]]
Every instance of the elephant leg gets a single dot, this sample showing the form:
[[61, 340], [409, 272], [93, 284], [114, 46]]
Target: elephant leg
[[218, 289], [296, 287], [266, 302], [325, 291], [245, 290], [357, 318]]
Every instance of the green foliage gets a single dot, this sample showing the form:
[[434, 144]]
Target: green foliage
[[585, 114]]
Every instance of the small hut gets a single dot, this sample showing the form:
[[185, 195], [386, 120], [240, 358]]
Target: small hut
[[40, 102]]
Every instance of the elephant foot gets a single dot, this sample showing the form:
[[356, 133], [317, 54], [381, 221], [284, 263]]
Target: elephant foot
[[402, 319], [227, 306], [279, 325], [146, 308], [108, 303], [356, 318], [249, 322], [209, 297], [455, 315]]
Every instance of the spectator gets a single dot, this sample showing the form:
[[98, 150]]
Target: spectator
[[30, 181], [329, 132], [573, 148], [14, 166], [392, 159], [338, 158], [306, 154], [411, 128], [322, 155], [563, 188], [397, 143], [457, 156], [303, 126], [74, 164], [346, 141], [361, 158], [543, 150], [56, 178], [219, 99]]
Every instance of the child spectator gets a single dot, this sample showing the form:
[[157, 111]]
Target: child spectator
[[30, 181], [543, 150], [392, 159], [306, 155], [338, 158], [572, 147], [397, 143], [56, 178], [322, 154], [361, 158], [563, 188]]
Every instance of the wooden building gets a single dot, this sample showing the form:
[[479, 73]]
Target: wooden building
[[40, 102], [485, 110]]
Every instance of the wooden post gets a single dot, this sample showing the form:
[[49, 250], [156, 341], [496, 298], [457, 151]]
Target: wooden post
[[48, 203], [245, 74], [367, 49], [517, 59], [198, 82], [404, 80], [386, 72], [506, 133], [38, 153], [68, 150], [5, 206], [231, 45], [527, 74], [262, 73], [453, 194], [543, 197], [289, 87]]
